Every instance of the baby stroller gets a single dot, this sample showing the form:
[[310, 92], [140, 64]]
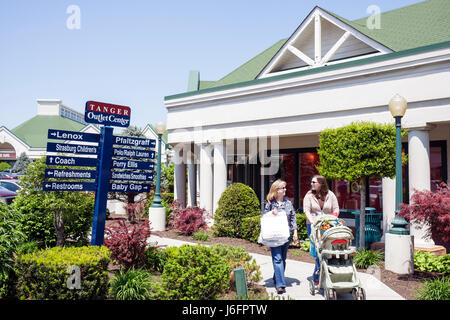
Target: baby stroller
[[332, 238]]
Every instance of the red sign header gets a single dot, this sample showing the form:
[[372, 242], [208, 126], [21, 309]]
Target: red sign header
[[108, 108]]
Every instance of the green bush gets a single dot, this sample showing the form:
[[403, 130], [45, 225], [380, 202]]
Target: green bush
[[305, 246], [365, 258], [238, 257], [237, 202], [156, 259], [201, 236], [47, 274], [302, 232], [437, 289], [427, 261], [193, 273], [37, 209], [133, 284], [10, 239]]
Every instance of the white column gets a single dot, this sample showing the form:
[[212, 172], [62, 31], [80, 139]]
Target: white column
[[419, 175], [206, 177], [220, 172], [388, 185], [180, 176], [192, 181]]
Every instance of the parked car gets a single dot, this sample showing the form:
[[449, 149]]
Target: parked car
[[11, 185], [4, 176], [7, 196]]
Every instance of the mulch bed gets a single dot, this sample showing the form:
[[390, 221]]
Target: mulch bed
[[404, 285]]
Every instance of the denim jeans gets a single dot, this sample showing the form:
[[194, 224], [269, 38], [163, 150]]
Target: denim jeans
[[317, 266], [279, 255]]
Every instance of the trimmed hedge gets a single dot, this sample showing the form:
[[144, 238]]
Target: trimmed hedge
[[237, 202], [44, 274], [193, 273], [251, 227]]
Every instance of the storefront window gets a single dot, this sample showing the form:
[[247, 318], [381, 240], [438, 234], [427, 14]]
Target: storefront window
[[308, 162], [286, 172], [436, 167]]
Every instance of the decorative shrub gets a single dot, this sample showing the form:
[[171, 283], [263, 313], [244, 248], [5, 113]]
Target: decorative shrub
[[189, 220], [433, 209], [427, 261], [437, 289], [194, 273], [135, 210], [128, 243], [133, 284], [238, 257], [305, 245], [237, 202], [44, 273], [10, 238], [365, 258], [156, 259], [201, 236], [302, 231]]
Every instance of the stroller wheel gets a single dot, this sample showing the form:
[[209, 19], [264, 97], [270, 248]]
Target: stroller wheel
[[355, 294], [330, 294], [312, 287], [362, 294]]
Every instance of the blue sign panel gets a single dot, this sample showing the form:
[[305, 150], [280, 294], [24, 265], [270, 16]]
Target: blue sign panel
[[71, 148], [134, 142], [72, 135], [71, 161], [131, 164], [129, 187], [70, 174], [133, 153], [69, 186], [131, 176]]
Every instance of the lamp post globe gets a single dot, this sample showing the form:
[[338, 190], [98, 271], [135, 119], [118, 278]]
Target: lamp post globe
[[397, 107]]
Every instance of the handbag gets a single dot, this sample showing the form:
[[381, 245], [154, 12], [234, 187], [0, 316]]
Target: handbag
[[274, 229]]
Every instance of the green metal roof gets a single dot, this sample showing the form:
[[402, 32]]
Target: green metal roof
[[417, 25], [34, 131], [414, 26]]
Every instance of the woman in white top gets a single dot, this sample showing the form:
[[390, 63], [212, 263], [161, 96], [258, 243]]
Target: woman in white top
[[319, 200]]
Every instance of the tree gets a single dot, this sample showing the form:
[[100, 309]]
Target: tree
[[357, 151], [432, 209], [69, 214], [21, 163]]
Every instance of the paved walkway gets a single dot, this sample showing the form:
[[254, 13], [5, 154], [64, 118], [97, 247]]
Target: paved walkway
[[297, 275]]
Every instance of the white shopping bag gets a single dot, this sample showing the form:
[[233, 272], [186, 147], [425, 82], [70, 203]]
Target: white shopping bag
[[274, 229]]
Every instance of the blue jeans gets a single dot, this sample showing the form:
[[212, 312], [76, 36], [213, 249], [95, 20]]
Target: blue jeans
[[279, 255], [317, 266]]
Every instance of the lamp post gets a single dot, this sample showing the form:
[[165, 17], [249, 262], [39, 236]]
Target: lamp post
[[397, 107], [157, 212]]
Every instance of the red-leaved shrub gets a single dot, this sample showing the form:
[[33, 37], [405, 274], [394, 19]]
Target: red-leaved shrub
[[433, 209], [128, 243], [189, 220]]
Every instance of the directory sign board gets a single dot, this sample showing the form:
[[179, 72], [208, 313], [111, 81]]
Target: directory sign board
[[69, 186], [134, 142], [71, 148], [132, 164], [131, 176], [128, 187], [70, 174], [73, 135], [107, 114], [133, 153], [71, 161]]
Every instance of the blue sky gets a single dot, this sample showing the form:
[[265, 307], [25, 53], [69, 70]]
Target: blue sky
[[136, 52]]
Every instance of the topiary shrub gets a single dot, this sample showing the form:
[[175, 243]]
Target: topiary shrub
[[237, 202], [52, 273], [193, 273]]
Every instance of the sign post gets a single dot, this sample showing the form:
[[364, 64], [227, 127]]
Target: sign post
[[101, 197], [127, 155]]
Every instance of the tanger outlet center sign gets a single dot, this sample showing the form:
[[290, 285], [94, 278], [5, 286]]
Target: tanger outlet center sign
[[107, 114]]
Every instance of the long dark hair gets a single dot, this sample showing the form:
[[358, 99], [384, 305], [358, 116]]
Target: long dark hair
[[322, 194]]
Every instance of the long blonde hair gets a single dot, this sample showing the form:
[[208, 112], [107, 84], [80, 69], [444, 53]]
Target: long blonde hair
[[273, 189]]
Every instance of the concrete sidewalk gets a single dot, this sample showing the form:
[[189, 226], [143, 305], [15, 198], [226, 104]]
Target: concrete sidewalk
[[297, 275]]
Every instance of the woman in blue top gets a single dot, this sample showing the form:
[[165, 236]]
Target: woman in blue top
[[276, 201]]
